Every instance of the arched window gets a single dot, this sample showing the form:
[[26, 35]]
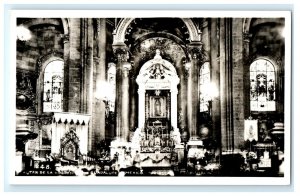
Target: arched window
[[262, 86], [53, 86], [204, 84]]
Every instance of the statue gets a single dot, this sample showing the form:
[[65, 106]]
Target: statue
[[175, 135], [157, 141]]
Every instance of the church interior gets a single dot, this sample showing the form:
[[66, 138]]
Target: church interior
[[150, 96]]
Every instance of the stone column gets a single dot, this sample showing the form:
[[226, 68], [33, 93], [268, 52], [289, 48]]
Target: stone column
[[98, 110], [141, 115], [194, 50], [174, 93], [75, 69], [89, 67], [125, 100], [247, 63], [122, 92], [215, 78], [237, 101], [66, 72], [226, 84]]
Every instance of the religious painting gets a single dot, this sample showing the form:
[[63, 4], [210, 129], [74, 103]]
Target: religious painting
[[158, 107], [251, 130], [157, 103]]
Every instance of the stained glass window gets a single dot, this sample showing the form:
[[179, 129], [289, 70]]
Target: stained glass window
[[262, 86], [111, 77], [204, 83], [53, 86]]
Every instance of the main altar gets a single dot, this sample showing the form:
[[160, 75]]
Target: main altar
[[156, 140]]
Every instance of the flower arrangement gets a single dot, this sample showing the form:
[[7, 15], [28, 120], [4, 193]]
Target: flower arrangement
[[252, 157]]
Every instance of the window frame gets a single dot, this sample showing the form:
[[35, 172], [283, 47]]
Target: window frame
[[272, 62], [40, 83]]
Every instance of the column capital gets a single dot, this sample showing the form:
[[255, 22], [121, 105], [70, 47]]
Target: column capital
[[195, 50], [121, 52]]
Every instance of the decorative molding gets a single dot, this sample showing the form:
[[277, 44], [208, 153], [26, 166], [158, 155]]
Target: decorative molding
[[71, 117]]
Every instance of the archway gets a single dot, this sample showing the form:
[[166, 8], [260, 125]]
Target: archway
[[120, 32]]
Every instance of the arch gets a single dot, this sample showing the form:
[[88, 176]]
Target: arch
[[246, 25], [119, 36], [66, 27], [43, 61], [266, 58], [251, 22]]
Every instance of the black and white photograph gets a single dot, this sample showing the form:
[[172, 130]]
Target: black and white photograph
[[155, 95]]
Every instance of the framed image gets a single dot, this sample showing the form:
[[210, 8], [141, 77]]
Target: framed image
[[117, 96], [251, 130]]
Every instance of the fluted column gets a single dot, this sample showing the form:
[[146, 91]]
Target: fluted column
[[122, 92], [194, 50]]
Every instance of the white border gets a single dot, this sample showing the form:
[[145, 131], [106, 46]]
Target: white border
[[36, 180]]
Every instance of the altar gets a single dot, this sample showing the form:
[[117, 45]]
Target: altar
[[157, 137]]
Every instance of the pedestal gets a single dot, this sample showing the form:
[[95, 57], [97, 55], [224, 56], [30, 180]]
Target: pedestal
[[179, 149], [195, 149]]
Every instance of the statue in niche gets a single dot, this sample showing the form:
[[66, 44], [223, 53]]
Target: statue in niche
[[157, 140]]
